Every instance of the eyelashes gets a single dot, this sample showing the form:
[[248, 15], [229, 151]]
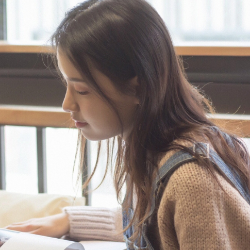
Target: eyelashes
[[75, 88], [82, 92]]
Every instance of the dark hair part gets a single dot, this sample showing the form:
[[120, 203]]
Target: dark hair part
[[127, 38]]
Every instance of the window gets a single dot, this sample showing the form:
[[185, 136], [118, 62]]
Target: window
[[106, 192], [21, 160], [60, 151], [21, 164], [189, 21], [33, 21]]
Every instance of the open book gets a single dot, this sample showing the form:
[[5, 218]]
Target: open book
[[13, 240]]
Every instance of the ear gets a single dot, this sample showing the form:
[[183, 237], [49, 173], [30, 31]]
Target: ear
[[135, 88]]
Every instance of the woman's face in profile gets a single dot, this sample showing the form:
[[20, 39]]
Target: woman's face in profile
[[92, 114]]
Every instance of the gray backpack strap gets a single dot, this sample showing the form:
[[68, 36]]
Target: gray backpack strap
[[183, 157], [231, 174], [172, 164], [203, 149]]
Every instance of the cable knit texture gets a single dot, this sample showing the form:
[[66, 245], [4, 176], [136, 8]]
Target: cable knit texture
[[94, 223], [194, 213]]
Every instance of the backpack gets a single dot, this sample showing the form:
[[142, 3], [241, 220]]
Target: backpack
[[165, 172]]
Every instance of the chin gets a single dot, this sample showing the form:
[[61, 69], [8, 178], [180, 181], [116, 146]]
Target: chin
[[95, 137], [92, 138]]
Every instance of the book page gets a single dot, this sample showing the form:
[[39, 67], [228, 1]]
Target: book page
[[103, 245], [26, 241]]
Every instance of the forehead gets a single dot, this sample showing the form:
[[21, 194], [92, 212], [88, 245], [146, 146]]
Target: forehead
[[66, 67], [69, 71]]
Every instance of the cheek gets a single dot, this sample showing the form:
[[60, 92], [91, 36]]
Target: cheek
[[100, 116], [127, 111], [108, 118]]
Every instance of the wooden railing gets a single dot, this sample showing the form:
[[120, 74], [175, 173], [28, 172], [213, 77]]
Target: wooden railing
[[56, 117], [222, 72], [39, 117], [42, 117], [241, 50], [34, 116]]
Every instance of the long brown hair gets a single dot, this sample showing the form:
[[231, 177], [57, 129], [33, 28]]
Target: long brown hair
[[127, 38]]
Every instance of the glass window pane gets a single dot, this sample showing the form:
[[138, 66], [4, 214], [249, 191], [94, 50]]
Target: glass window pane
[[60, 149], [192, 21], [21, 159], [189, 21], [104, 196], [35, 20]]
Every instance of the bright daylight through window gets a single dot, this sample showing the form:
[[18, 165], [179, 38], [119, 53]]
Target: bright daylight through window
[[190, 22]]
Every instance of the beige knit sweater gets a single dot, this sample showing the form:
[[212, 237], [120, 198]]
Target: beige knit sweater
[[194, 213]]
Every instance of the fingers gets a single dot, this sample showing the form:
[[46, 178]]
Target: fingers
[[30, 226], [15, 224], [23, 226], [53, 226]]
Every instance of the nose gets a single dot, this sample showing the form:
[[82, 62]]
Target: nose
[[69, 102]]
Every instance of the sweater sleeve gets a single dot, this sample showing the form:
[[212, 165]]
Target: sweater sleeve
[[94, 223], [195, 213]]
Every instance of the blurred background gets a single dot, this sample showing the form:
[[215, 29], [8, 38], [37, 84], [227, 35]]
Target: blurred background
[[190, 22]]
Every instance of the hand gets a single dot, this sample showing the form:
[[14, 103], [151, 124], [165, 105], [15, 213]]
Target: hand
[[52, 226]]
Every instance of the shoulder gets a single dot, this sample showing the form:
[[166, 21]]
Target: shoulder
[[190, 181], [186, 207], [196, 190], [196, 209]]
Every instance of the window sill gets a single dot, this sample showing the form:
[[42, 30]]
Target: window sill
[[187, 50]]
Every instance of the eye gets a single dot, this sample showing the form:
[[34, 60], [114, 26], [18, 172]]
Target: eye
[[82, 92]]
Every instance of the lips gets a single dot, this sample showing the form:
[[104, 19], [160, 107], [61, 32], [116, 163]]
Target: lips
[[80, 124]]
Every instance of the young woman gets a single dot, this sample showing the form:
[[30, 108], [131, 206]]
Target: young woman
[[124, 81]]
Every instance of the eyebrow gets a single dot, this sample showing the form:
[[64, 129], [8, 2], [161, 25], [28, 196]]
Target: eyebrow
[[72, 79]]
